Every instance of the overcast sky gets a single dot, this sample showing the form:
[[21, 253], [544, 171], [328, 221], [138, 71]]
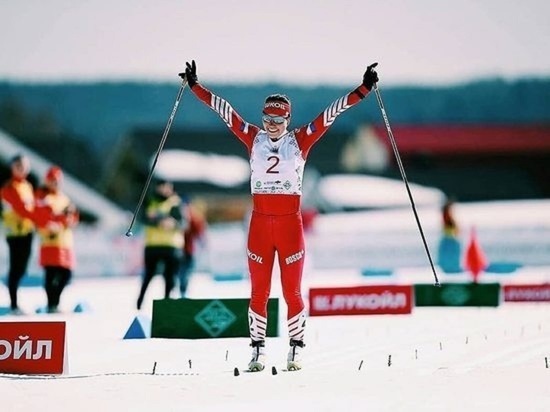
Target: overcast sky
[[298, 41]]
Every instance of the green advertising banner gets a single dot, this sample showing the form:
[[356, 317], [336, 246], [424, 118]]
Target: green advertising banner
[[457, 294], [207, 318]]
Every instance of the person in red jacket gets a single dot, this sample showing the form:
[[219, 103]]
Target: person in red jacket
[[277, 159], [193, 233], [55, 216], [17, 196]]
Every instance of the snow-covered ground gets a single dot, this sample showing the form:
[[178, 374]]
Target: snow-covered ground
[[435, 359], [442, 359]]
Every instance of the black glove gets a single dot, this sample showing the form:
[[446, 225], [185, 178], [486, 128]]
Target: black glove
[[370, 77], [190, 73]]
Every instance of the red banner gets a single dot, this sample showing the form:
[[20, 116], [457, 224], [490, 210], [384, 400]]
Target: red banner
[[361, 300], [527, 293], [32, 347]]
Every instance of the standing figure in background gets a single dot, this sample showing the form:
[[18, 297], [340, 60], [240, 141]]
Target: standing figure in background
[[17, 212], [193, 233], [277, 160], [164, 220], [55, 216], [450, 250]]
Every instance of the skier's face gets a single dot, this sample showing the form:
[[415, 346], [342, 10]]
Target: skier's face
[[275, 126]]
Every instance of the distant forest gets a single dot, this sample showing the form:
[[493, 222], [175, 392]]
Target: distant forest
[[100, 113], [79, 125]]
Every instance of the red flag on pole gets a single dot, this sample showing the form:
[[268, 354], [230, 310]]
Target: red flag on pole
[[476, 262]]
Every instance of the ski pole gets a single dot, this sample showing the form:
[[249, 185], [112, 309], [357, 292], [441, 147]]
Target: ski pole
[[161, 145], [404, 176]]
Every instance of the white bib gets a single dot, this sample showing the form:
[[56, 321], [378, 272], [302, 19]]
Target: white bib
[[276, 167]]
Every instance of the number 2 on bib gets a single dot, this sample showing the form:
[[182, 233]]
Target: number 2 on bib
[[275, 161]]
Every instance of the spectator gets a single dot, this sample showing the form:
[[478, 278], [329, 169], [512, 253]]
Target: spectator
[[55, 217], [17, 212], [193, 233], [164, 224], [450, 250]]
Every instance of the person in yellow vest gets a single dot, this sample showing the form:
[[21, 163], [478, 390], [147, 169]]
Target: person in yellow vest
[[17, 196], [164, 219], [55, 216]]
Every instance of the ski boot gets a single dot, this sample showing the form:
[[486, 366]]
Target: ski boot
[[257, 363], [294, 359]]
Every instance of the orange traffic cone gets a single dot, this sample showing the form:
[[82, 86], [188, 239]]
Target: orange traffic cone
[[476, 261]]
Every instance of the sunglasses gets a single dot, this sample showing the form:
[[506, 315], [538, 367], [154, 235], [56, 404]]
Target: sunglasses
[[273, 119]]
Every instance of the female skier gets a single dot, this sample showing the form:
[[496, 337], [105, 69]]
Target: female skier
[[277, 159]]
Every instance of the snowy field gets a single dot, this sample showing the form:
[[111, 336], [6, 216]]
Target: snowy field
[[437, 359]]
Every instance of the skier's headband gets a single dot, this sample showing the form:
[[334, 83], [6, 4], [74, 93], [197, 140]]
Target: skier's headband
[[277, 108]]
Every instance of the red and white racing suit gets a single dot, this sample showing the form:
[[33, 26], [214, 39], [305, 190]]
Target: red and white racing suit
[[276, 185]]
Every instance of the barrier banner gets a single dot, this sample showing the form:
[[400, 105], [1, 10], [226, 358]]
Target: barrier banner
[[207, 318], [457, 294], [361, 300], [527, 293], [33, 347]]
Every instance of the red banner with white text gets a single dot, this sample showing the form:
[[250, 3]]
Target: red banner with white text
[[361, 300], [527, 293], [32, 347]]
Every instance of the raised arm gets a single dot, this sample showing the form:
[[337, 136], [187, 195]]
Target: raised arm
[[309, 134], [244, 131]]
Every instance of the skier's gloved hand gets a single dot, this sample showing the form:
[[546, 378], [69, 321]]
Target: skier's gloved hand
[[370, 77], [190, 73]]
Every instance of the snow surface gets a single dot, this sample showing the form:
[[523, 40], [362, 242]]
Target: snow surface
[[442, 359]]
